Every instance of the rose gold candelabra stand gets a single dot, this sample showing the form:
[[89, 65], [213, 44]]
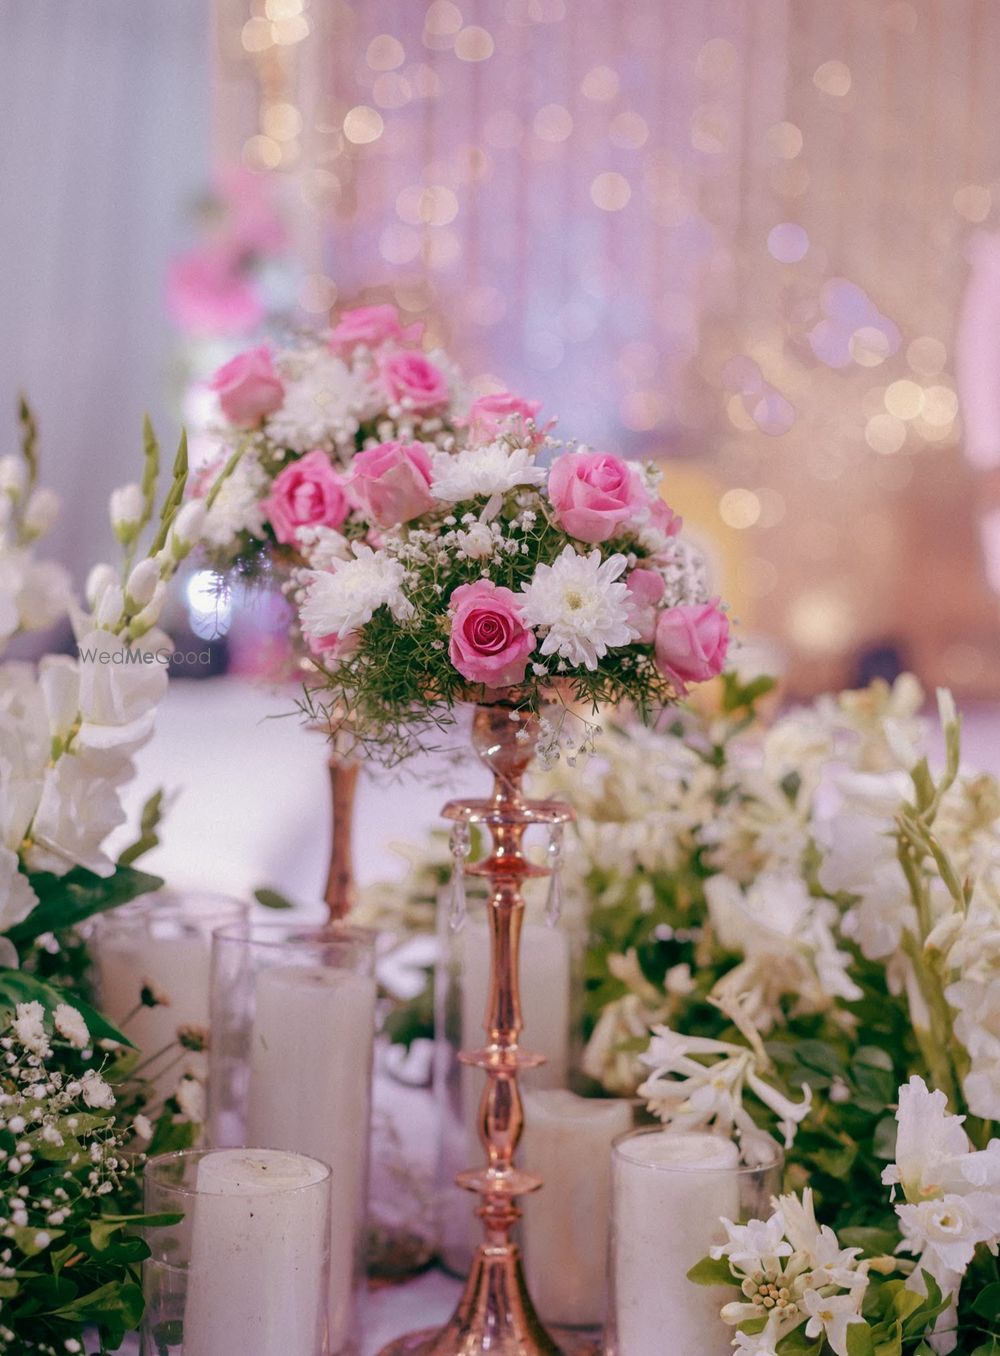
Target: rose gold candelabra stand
[[495, 1314], [339, 889]]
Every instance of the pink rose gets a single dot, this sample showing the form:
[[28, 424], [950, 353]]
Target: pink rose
[[691, 643], [646, 588], [372, 326], [391, 482], [412, 379], [307, 493], [662, 516], [249, 388], [594, 495], [489, 642], [491, 415]]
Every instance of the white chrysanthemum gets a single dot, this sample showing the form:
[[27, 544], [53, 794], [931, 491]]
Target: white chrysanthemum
[[237, 506], [483, 471], [325, 402], [339, 601], [580, 601]]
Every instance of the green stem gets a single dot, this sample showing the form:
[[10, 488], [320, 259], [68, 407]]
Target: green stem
[[934, 1044]]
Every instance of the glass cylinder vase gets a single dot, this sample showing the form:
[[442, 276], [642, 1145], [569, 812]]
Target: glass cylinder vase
[[669, 1192], [152, 962], [245, 1268], [293, 1022]]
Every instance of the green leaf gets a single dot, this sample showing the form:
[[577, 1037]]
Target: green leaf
[[272, 899], [149, 823], [27, 1239], [859, 1340], [796, 1343], [875, 1057], [987, 1302], [114, 1303], [836, 1162], [711, 1272], [884, 1139], [17, 986], [64, 901], [874, 1242]]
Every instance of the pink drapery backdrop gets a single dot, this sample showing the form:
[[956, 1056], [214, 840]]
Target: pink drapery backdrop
[[733, 232]]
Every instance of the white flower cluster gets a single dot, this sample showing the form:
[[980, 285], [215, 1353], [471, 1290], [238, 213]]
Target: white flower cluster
[[792, 1272], [951, 1194], [687, 1093], [33, 593], [69, 727], [50, 1117], [326, 399]]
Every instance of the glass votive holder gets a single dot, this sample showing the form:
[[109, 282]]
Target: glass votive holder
[[670, 1189], [159, 947], [246, 1266], [290, 1067]]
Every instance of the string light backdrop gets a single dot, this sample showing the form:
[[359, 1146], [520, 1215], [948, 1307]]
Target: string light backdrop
[[728, 232]]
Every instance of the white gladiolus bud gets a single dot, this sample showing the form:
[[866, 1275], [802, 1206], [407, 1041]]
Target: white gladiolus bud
[[60, 683], [100, 578], [126, 508], [947, 711], [146, 619], [108, 612], [142, 584], [187, 528], [13, 477], [41, 512]]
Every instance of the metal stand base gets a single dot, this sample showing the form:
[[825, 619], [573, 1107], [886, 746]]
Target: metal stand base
[[494, 1317]]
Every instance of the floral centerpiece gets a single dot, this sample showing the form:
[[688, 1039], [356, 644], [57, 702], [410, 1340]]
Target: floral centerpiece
[[73, 1096], [488, 577], [324, 442], [492, 577]]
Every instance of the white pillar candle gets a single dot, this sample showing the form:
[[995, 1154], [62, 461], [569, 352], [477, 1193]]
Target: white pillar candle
[[567, 1140], [310, 1079], [257, 1272], [669, 1190], [177, 969]]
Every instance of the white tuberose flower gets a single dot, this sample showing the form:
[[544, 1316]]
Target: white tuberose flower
[[578, 599], [483, 471], [341, 600], [687, 1094]]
